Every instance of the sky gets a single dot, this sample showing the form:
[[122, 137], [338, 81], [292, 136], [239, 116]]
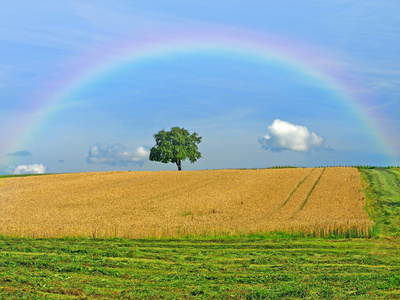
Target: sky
[[84, 85]]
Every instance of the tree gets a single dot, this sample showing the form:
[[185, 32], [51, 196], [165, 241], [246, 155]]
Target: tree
[[175, 146]]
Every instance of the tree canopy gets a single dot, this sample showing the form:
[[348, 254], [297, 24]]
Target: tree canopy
[[175, 146]]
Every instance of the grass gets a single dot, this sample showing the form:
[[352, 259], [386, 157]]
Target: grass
[[236, 268], [382, 189], [21, 175]]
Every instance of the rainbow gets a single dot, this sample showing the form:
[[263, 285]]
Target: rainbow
[[296, 56]]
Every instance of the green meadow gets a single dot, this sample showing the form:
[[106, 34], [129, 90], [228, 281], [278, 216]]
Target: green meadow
[[382, 189], [241, 267]]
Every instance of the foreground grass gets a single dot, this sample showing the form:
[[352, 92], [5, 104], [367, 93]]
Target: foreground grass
[[245, 268], [382, 189]]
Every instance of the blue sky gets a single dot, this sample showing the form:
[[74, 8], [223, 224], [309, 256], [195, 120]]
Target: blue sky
[[265, 83]]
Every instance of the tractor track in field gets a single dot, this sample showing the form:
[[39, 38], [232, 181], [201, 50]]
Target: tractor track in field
[[309, 194], [296, 200], [294, 190]]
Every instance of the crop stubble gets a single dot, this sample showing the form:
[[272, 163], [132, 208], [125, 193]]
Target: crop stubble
[[171, 204]]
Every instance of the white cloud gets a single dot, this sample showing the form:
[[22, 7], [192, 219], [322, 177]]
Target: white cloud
[[30, 169], [116, 154], [283, 135]]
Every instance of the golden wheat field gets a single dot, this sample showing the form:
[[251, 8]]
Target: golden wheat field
[[172, 204]]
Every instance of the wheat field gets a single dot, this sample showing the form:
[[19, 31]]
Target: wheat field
[[317, 201]]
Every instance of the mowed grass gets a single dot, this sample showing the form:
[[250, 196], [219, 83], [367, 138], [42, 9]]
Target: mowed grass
[[311, 201], [272, 266], [241, 268], [382, 187]]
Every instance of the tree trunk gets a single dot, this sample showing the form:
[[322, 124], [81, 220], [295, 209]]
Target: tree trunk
[[179, 164]]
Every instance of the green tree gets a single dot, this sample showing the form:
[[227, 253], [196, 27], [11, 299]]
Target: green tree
[[175, 146]]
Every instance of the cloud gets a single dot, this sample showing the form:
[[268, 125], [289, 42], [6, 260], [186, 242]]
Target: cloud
[[116, 154], [30, 169], [20, 153], [283, 135]]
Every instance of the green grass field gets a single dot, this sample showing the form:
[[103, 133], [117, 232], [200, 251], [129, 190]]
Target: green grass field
[[241, 268], [382, 189], [269, 267]]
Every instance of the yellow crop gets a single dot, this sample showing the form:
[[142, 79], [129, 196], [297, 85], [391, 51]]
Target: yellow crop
[[170, 204]]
